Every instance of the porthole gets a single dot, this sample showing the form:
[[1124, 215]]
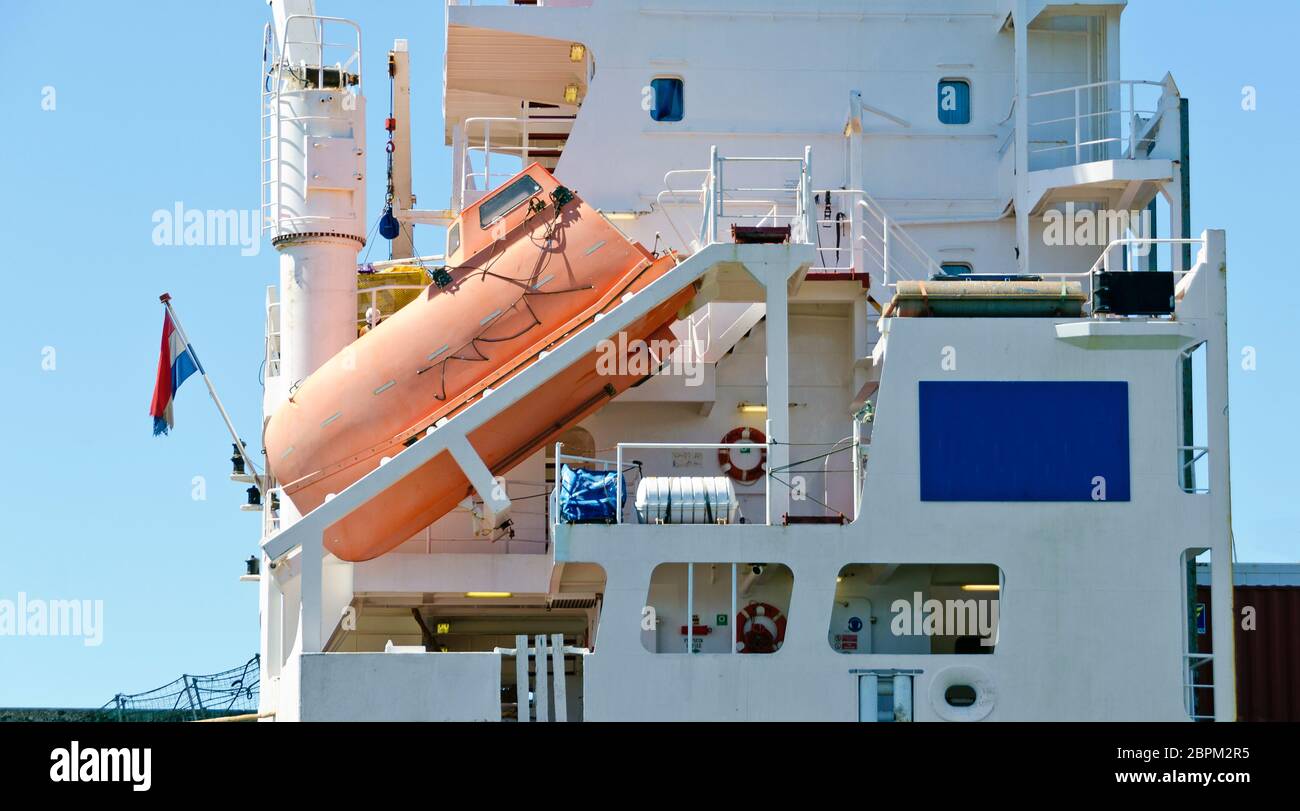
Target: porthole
[[960, 695]]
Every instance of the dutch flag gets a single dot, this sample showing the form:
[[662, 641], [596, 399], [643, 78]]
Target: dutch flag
[[176, 363]]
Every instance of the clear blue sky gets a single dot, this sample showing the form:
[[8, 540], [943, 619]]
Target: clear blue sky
[[156, 103]]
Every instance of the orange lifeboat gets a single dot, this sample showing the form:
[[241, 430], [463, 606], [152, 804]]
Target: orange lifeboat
[[527, 266]]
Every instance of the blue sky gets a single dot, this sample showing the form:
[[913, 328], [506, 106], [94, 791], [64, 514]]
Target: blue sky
[[156, 103]]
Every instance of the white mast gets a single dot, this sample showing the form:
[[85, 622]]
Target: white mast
[[314, 180]]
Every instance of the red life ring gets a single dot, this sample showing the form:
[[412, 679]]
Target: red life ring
[[743, 475], [760, 628]]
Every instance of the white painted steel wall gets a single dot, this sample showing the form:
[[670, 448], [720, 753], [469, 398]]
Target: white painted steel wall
[[1091, 616], [399, 687]]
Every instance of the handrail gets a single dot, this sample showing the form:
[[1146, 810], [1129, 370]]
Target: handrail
[[528, 127], [618, 459], [1133, 134], [716, 196], [1103, 261], [1192, 661], [274, 63]]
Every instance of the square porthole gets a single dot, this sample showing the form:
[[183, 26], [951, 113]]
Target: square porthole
[[667, 99], [954, 101]]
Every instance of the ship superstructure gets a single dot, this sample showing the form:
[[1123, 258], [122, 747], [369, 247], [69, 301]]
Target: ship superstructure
[[937, 431]]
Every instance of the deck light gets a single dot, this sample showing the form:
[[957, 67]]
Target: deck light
[[577, 52], [981, 587], [753, 408], [488, 595], [571, 93]]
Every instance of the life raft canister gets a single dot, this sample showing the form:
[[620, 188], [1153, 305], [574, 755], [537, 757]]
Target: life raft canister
[[743, 475], [760, 628]]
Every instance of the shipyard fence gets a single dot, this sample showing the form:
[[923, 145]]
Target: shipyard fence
[[192, 698]]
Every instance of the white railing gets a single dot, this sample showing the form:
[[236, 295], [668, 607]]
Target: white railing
[[715, 446], [272, 333], [273, 499], [346, 62], [619, 463], [509, 130], [1191, 662], [1103, 264], [1096, 121], [1189, 457], [878, 243], [784, 204], [1103, 261]]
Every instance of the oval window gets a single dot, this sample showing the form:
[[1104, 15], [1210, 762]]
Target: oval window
[[959, 695]]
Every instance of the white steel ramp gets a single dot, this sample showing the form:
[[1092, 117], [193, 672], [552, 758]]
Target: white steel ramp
[[772, 265]]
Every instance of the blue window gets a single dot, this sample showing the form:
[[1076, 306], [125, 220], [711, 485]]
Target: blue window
[[668, 99], [954, 101], [1024, 440], [956, 268]]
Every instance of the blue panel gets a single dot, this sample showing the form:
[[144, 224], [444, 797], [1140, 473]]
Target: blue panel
[[954, 101], [1023, 441], [669, 102]]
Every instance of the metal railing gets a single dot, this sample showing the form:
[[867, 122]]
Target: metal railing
[[784, 204], [272, 358], [509, 129], [1103, 261], [878, 243], [716, 446], [1103, 264], [275, 62], [1097, 121], [1191, 662], [1189, 456]]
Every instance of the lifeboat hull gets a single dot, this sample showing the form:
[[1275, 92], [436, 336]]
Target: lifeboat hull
[[535, 275]]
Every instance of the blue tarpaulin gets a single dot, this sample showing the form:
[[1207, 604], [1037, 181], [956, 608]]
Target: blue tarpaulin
[[588, 496]]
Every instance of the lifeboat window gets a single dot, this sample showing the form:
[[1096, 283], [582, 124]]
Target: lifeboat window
[[954, 101], [505, 201], [667, 99], [453, 239], [956, 268]]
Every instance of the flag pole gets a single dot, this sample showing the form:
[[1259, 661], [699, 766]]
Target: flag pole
[[166, 300]]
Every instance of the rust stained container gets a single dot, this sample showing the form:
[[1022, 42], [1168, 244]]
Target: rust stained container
[[1268, 658]]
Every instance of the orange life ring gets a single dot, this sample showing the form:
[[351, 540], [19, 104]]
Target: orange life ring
[[754, 636], [743, 475]]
